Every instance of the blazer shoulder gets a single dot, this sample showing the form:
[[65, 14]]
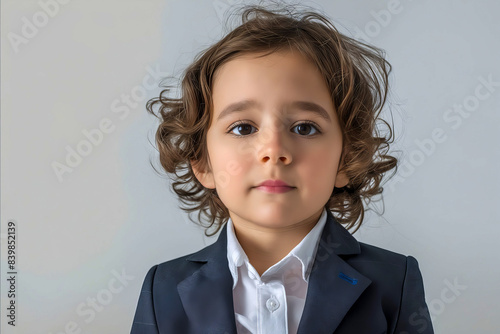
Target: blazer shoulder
[[386, 268], [176, 270], [380, 255], [158, 294], [382, 266]]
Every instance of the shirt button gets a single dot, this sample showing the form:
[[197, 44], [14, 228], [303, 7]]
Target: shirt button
[[272, 304]]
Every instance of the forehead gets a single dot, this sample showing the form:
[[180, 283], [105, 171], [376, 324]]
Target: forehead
[[281, 77], [291, 66]]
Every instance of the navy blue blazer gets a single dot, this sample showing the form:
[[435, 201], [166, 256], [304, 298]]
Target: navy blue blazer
[[354, 288]]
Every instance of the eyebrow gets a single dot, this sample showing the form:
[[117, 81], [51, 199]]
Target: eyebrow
[[248, 104]]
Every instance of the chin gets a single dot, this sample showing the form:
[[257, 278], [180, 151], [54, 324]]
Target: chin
[[275, 217]]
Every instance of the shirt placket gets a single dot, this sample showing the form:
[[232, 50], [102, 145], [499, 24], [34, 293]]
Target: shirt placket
[[272, 308]]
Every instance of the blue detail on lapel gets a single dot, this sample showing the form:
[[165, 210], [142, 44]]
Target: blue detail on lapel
[[351, 280]]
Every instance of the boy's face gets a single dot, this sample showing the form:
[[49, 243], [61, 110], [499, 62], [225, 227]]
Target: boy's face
[[289, 132]]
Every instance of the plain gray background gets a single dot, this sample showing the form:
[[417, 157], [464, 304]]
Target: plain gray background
[[87, 237]]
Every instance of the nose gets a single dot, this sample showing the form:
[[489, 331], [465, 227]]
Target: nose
[[274, 147]]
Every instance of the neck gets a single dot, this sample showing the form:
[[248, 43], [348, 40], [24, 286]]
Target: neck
[[266, 246]]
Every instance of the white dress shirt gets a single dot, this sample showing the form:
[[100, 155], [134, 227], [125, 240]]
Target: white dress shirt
[[274, 302]]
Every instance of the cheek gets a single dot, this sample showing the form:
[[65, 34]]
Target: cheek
[[321, 166], [227, 158], [234, 167], [228, 164]]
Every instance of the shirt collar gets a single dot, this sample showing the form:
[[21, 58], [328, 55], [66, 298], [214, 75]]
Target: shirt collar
[[235, 254], [304, 251]]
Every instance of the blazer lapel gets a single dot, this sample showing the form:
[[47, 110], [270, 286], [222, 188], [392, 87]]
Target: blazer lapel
[[334, 285], [207, 294]]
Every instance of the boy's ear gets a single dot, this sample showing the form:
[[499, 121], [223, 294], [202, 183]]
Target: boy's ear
[[341, 180], [203, 174]]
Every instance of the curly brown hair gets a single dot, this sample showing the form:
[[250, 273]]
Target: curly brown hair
[[356, 75]]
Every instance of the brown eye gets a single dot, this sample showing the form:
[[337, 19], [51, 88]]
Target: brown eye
[[243, 129], [305, 129]]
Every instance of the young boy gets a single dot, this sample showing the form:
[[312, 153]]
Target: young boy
[[275, 133]]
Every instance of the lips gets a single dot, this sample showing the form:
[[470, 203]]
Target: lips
[[274, 186], [274, 183]]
